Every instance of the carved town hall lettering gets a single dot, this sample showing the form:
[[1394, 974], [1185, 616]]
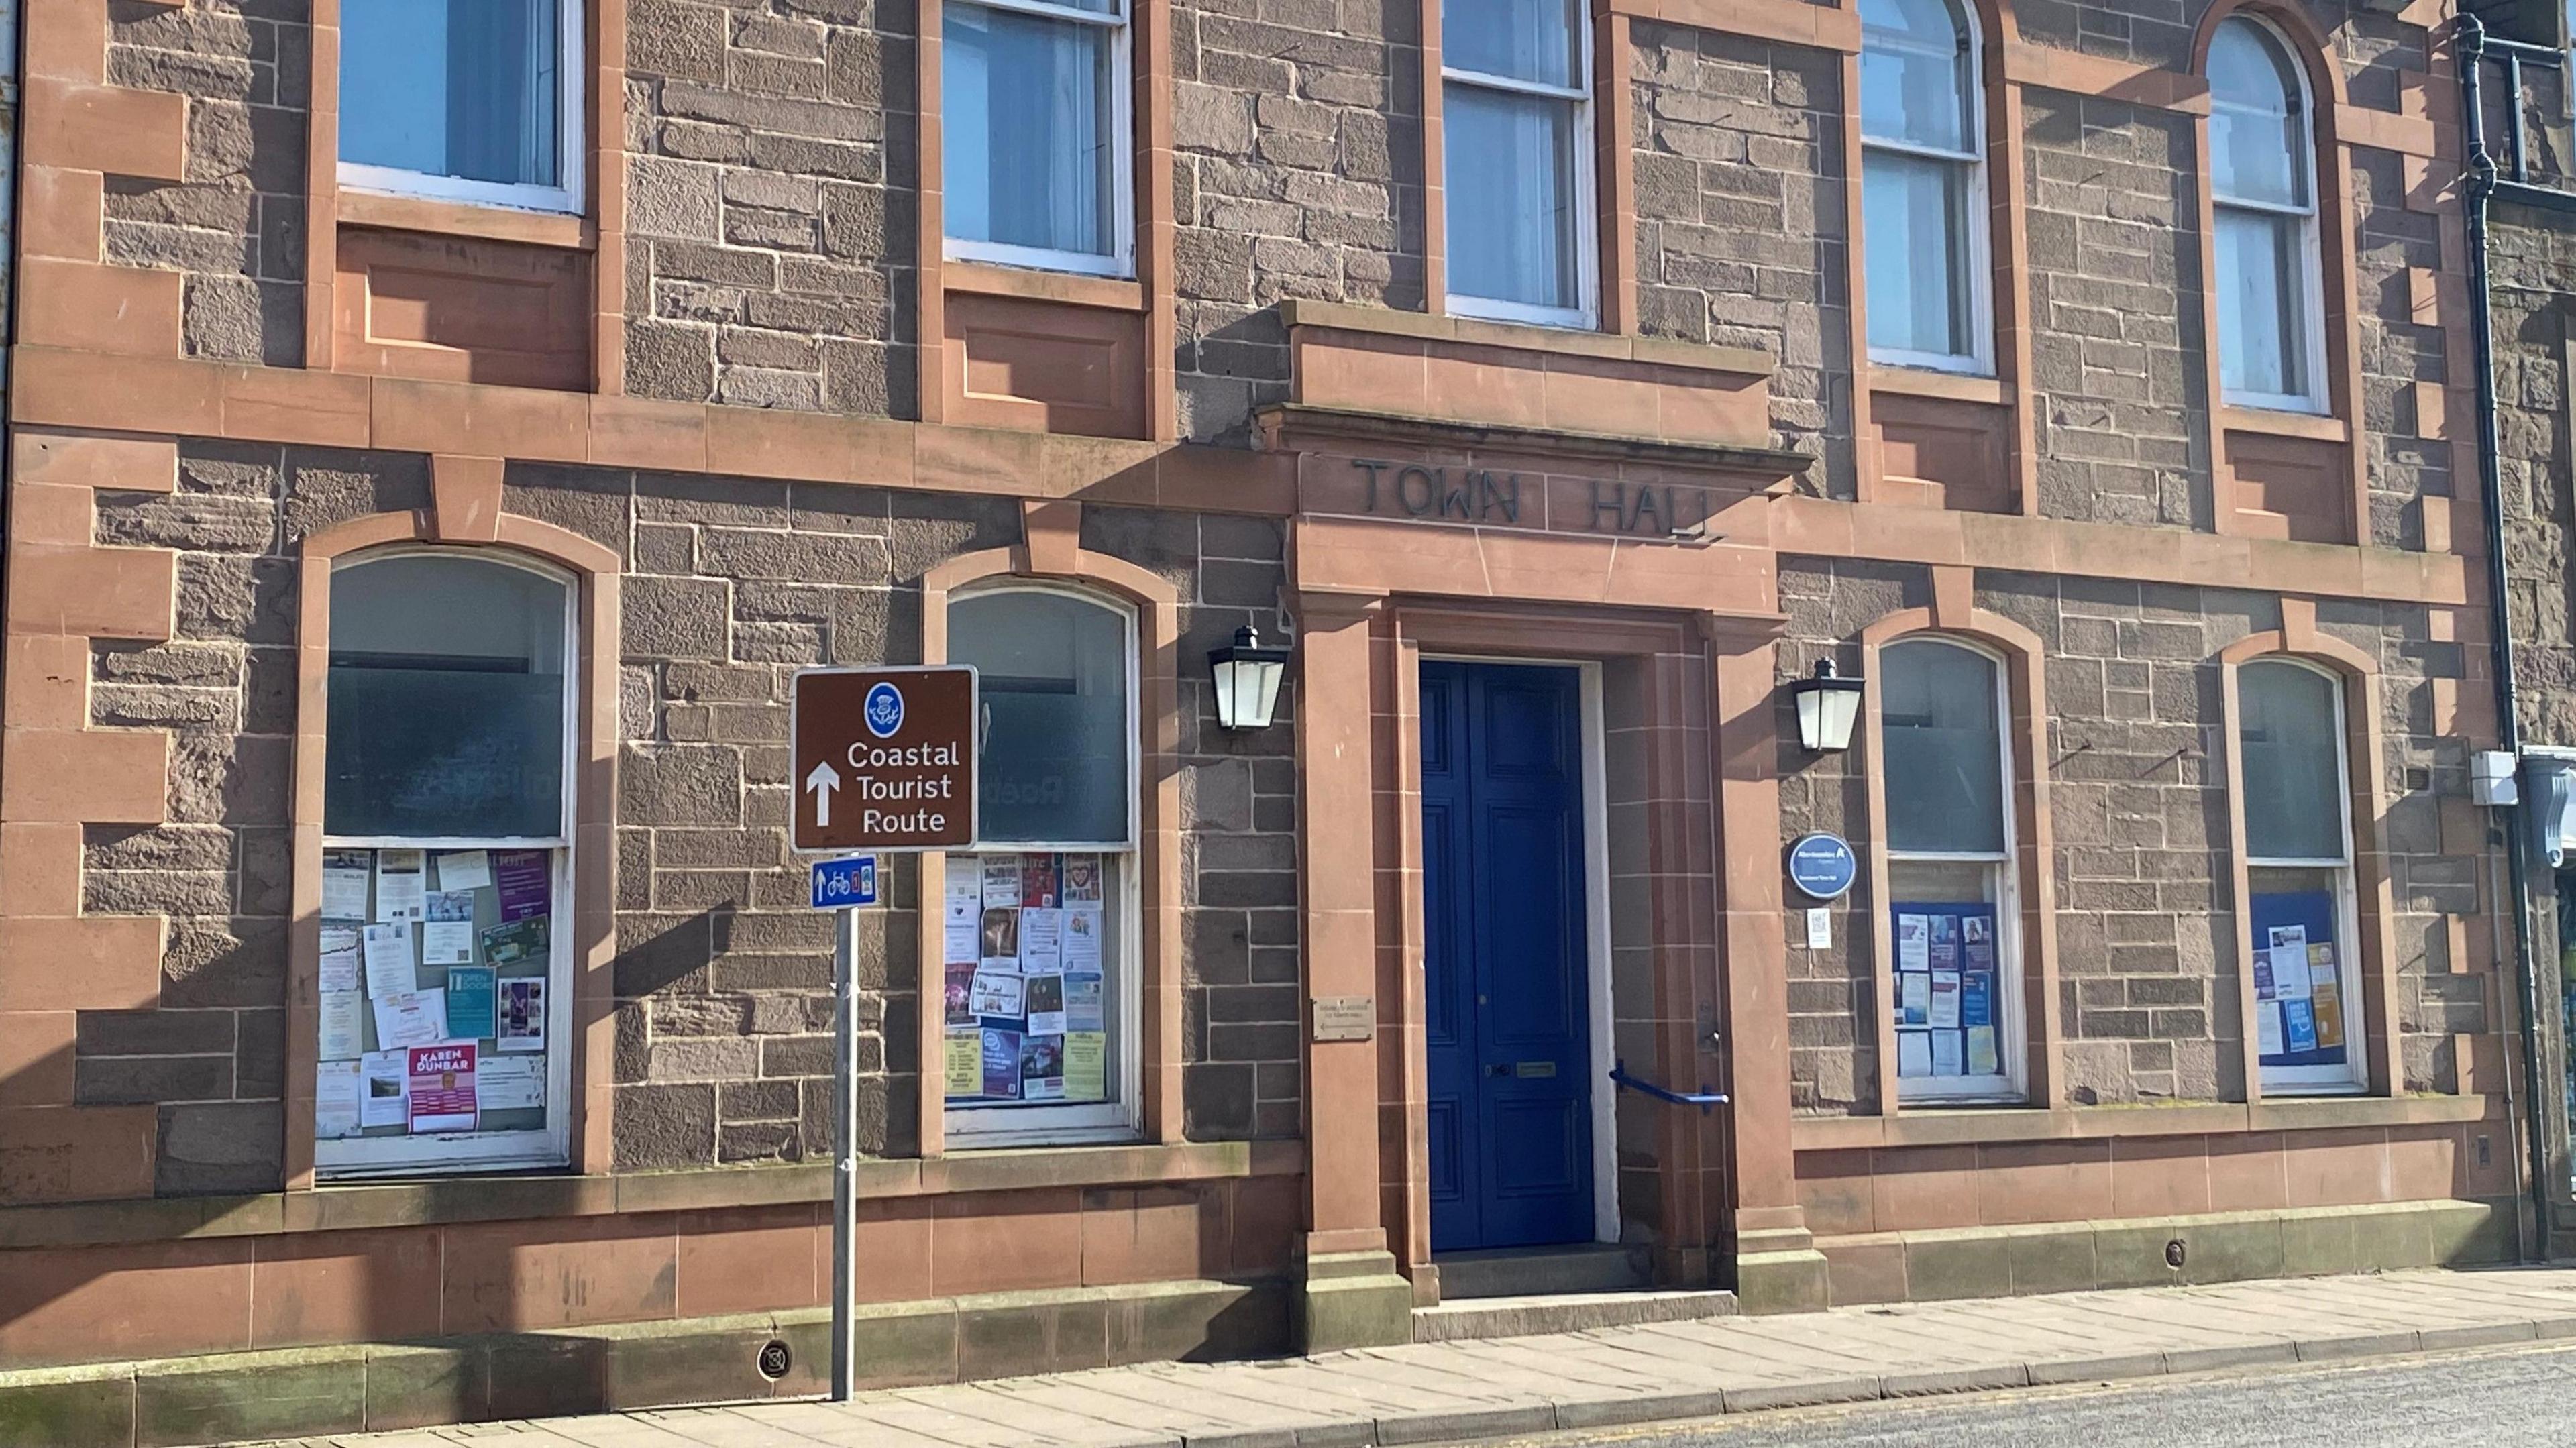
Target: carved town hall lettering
[[1484, 496]]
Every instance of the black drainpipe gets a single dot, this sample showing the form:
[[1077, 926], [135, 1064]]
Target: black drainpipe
[[2469, 43]]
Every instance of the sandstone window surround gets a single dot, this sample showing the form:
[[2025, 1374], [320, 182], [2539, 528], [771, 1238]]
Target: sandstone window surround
[[1059, 742], [448, 100], [1923, 186], [2020, 881], [467, 526], [2262, 179], [1145, 1018], [2276, 687], [1037, 145], [450, 746], [1517, 161]]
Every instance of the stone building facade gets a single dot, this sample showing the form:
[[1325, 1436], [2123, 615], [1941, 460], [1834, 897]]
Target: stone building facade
[[747, 375]]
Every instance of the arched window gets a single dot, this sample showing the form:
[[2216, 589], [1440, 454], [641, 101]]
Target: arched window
[[2262, 158], [447, 835], [1945, 770], [1040, 928], [1923, 185], [2300, 912]]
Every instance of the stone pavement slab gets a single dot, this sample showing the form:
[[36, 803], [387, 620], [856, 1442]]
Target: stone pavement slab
[[1455, 1391]]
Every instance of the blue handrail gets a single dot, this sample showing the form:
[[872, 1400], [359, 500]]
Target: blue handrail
[[1702, 1098]]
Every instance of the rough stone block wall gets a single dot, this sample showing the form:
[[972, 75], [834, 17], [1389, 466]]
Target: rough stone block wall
[[1740, 229], [235, 226], [770, 195], [2146, 925], [2112, 215], [2533, 266], [722, 971], [1297, 172]]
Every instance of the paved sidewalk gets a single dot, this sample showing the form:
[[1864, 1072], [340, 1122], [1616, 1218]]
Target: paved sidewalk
[[1443, 1392]]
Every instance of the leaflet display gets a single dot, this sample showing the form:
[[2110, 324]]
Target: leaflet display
[[1947, 997], [2300, 1015], [435, 979], [1026, 994]]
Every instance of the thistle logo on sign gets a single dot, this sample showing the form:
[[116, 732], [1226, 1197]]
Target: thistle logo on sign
[[884, 759], [885, 710]]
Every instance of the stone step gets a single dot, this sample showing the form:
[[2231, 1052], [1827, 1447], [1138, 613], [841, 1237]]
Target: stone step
[[1539, 1271], [1479, 1317]]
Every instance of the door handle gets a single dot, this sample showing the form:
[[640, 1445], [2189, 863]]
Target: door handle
[[1499, 1068], [1523, 1070]]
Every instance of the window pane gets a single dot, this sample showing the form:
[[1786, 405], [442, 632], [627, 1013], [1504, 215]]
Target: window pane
[[2293, 763], [1033, 966], [2302, 1016], [1512, 204], [2258, 135], [2262, 308], [1916, 212], [1534, 40], [446, 697], [1914, 81], [1054, 766], [463, 88], [1944, 749], [1028, 157]]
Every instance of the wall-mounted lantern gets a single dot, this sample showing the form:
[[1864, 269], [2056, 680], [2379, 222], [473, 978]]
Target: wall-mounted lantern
[[1828, 706], [1247, 680]]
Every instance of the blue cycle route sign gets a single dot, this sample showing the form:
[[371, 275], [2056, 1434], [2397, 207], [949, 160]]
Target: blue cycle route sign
[[1823, 866], [845, 884]]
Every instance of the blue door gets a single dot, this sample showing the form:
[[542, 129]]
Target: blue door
[[1506, 1005]]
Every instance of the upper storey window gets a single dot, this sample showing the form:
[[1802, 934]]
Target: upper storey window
[[1516, 114], [463, 100], [1035, 157], [2262, 157], [1923, 186]]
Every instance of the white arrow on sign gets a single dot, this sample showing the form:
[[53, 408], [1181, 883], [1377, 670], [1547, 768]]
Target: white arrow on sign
[[823, 781]]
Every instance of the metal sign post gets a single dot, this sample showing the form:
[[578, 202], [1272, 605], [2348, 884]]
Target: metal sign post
[[884, 760]]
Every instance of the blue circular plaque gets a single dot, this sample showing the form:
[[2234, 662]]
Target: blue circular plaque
[[1823, 865]]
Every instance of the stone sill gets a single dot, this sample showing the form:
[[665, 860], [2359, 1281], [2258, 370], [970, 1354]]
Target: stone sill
[[1298, 312], [1958, 1126], [516, 1198], [563, 231]]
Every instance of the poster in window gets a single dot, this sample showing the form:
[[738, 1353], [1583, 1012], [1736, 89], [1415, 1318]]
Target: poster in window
[[1914, 1006], [1042, 1067], [2325, 1000], [1086, 1066], [345, 874], [344, 1025], [962, 916], [473, 1003], [509, 1083], [384, 1088], [1944, 949], [526, 882], [2298, 1027], [1001, 946], [1947, 1010], [521, 1012], [1002, 1064], [1001, 882], [1945, 1000], [1037, 882], [1913, 1053], [960, 993], [447, 931], [997, 993], [1948, 1057], [1041, 939], [1913, 942], [1082, 880], [516, 942], [402, 885], [2268, 1034], [1044, 1002], [465, 870], [412, 1018], [1977, 1000], [442, 1087], [389, 960], [1082, 1002], [335, 1100], [1083, 927], [964, 1063]]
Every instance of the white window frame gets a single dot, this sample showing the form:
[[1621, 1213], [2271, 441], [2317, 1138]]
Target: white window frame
[[390, 1156], [1120, 260], [2312, 283], [2004, 885], [2353, 1076], [1121, 1118], [571, 139], [1586, 313], [1979, 359]]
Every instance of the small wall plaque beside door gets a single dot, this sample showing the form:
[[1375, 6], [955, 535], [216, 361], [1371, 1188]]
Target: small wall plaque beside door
[[1345, 1018]]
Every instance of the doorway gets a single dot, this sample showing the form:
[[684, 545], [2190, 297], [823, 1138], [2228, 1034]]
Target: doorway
[[1509, 919]]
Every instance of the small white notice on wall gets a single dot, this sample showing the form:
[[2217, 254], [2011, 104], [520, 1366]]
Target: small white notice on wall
[[1820, 928]]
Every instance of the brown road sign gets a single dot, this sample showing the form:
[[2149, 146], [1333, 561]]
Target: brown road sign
[[884, 759]]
